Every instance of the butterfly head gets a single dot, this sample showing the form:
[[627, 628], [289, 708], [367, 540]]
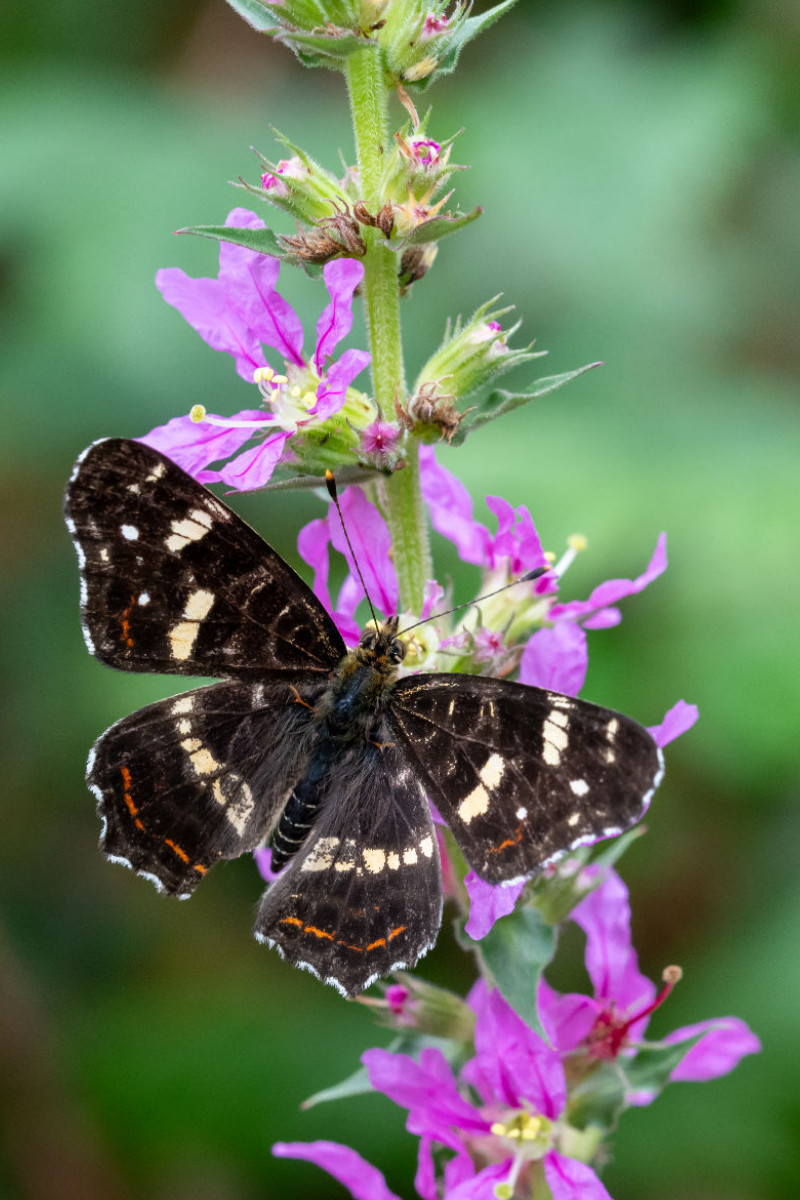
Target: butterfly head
[[380, 645]]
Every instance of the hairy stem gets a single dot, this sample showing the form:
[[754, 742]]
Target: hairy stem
[[400, 495]]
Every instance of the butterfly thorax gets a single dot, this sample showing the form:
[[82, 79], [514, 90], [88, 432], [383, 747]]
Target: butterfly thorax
[[349, 713]]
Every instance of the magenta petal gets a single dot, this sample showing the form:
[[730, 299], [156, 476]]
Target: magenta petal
[[432, 596], [254, 467], [556, 659], [364, 1181], [202, 303], [482, 1185], [566, 1019], [569, 1179], [678, 719], [606, 618], [727, 1041], [312, 546], [193, 445], [248, 281], [488, 904], [425, 1178], [518, 1063], [450, 506], [605, 917], [612, 590], [516, 538], [263, 857], [426, 1088], [342, 277], [369, 535], [332, 390]]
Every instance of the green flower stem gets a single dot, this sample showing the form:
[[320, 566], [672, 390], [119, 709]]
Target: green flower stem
[[400, 495]]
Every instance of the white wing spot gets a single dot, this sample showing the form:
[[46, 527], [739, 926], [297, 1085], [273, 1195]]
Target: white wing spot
[[320, 857], [185, 726], [201, 757], [156, 473], [198, 605], [190, 529], [551, 754], [521, 814], [374, 860], [134, 487], [610, 756], [393, 860], [103, 555], [183, 704], [410, 857], [492, 771], [130, 532], [559, 718], [579, 786], [144, 598], [474, 805], [426, 846], [182, 638], [573, 820], [611, 728]]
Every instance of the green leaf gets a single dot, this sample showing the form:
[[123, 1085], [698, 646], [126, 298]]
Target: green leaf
[[263, 241], [499, 402], [358, 1083], [435, 228], [255, 14], [650, 1070], [514, 953], [599, 1099]]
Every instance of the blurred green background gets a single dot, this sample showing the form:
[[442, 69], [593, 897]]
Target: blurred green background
[[640, 174]]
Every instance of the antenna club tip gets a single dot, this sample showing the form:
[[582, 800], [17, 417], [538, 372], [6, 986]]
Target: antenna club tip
[[535, 573], [330, 483]]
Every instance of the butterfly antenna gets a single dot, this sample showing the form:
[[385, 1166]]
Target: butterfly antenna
[[330, 484], [534, 574]]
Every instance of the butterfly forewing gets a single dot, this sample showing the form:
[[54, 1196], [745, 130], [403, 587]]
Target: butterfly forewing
[[520, 774], [364, 895], [199, 777], [175, 582]]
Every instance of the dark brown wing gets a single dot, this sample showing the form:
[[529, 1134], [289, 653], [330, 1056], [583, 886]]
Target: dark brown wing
[[173, 581], [520, 774], [199, 777]]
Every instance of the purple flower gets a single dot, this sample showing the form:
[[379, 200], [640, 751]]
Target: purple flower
[[369, 535], [615, 1017], [515, 547], [514, 1121], [238, 313], [556, 657]]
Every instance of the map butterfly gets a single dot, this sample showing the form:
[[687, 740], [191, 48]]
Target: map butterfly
[[322, 752]]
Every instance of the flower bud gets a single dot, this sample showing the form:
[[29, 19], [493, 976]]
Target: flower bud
[[473, 356], [411, 1003], [299, 186]]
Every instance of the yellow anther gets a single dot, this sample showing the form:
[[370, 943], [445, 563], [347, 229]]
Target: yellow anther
[[295, 392], [280, 378], [577, 541], [263, 374], [499, 1129], [309, 398], [197, 413], [551, 558]]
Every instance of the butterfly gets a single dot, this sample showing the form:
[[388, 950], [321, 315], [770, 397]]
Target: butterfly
[[325, 754]]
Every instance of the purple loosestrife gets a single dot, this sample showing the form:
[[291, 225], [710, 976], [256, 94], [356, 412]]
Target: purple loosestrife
[[239, 313]]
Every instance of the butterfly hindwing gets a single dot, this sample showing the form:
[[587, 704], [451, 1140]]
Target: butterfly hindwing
[[522, 775], [173, 581], [199, 777], [363, 896]]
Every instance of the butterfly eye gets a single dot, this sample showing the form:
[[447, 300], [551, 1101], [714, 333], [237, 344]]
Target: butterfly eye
[[368, 639], [397, 651]]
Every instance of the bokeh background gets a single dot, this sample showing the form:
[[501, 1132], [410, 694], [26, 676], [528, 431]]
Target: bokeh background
[[640, 176]]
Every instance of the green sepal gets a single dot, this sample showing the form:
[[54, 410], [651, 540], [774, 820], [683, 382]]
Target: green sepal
[[358, 1083], [263, 241], [434, 228], [556, 897], [466, 31], [283, 481], [650, 1070], [499, 402], [598, 1099], [514, 954], [255, 14]]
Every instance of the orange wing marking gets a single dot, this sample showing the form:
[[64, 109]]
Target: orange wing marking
[[180, 853], [125, 624], [517, 838]]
